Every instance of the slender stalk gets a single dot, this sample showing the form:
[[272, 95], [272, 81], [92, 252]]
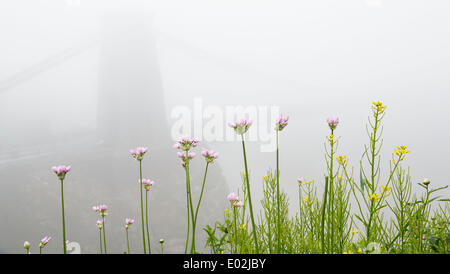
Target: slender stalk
[[104, 234], [235, 231], [278, 202], [63, 221], [142, 207], [162, 248], [128, 242], [101, 246], [188, 217], [191, 207], [40, 250], [249, 197], [322, 226], [332, 192], [146, 222], [198, 206]]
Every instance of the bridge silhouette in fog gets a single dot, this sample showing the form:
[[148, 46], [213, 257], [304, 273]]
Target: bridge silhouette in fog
[[130, 113]]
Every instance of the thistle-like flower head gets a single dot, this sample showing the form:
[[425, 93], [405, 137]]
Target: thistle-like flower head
[[147, 183], [61, 171], [128, 222], [44, 241], [186, 143], [282, 122], [99, 224], [241, 127], [210, 155], [232, 197], [138, 153], [333, 122], [101, 209], [185, 158]]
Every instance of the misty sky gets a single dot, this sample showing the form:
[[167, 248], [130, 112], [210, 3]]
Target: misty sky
[[312, 59]]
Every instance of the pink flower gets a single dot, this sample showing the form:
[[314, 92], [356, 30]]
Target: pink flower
[[333, 123], [300, 181], [99, 224], [239, 204], [282, 122], [186, 143], [138, 153], [210, 155], [185, 159], [128, 222], [61, 171], [147, 183], [241, 127], [101, 209], [232, 197], [44, 241]]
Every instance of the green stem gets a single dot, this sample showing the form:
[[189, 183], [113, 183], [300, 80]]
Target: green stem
[[188, 217], [191, 207], [128, 242], [332, 193], [235, 230], [278, 202], [322, 226], [142, 207], [63, 221], [249, 197], [101, 246], [146, 222], [104, 234], [199, 201]]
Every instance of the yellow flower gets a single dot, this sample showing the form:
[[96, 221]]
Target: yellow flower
[[355, 231], [359, 250], [331, 137], [384, 188], [374, 196], [305, 199], [242, 227], [342, 160], [402, 150], [378, 107]]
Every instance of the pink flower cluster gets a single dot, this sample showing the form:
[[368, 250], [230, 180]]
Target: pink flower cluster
[[186, 143], [44, 241], [282, 122], [333, 123], [147, 183], [128, 222], [99, 224], [210, 155], [241, 127], [138, 153], [185, 158], [234, 199], [101, 209], [61, 171]]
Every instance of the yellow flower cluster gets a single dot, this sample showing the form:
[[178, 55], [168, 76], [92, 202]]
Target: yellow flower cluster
[[300, 183], [386, 189], [342, 160], [374, 196], [242, 226], [355, 231], [378, 107], [402, 150], [267, 177], [331, 137]]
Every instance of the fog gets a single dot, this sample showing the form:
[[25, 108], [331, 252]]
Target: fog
[[82, 82]]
